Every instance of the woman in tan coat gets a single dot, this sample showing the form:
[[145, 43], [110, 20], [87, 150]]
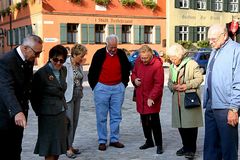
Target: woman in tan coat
[[184, 76]]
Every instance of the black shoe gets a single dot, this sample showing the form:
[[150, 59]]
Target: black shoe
[[117, 144], [102, 147], [189, 155], [159, 150], [146, 146], [180, 152]]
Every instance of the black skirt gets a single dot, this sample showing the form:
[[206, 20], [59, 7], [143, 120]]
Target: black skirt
[[52, 135]]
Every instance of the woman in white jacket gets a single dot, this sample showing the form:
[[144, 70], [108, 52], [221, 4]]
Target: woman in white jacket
[[74, 93]]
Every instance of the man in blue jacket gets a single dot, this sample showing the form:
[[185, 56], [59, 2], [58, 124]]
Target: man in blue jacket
[[222, 96], [16, 70]]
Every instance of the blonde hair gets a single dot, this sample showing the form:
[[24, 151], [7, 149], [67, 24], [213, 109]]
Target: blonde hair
[[144, 49], [176, 50], [78, 49]]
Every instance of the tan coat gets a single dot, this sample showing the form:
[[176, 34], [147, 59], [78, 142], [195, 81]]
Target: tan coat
[[181, 117]]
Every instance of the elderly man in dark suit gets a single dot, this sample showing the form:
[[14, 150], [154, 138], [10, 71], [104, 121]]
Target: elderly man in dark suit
[[16, 70]]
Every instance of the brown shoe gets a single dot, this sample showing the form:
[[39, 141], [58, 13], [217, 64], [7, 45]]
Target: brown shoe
[[102, 147], [116, 144]]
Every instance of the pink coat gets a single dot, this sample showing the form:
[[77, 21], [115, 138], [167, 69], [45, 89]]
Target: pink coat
[[152, 81]]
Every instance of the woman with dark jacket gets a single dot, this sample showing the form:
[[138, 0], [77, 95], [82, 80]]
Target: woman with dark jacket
[[49, 104], [184, 76], [148, 78]]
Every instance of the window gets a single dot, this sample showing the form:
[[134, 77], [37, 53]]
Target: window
[[72, 31], [148, 34], [183, 33], [218, 5], [233, 5], [126, 33], [184, 3], [100, 33], [201, 4], [201, 33]]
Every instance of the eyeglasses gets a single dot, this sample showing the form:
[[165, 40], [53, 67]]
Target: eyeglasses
[[35, 52], [56, 60], [215, 39]]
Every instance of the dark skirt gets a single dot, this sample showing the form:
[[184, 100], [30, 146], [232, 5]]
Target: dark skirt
[[52, 135]]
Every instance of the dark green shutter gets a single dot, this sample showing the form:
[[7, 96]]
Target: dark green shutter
[[158, 35], [225, 5], [192, 4], [91, 33], [209, 4], [177, 4], [177, 33], [141, 35], [195, 34], [29, 30], [22, 33], [136, 34], [16, 36], [63, 33], [238, 7], [9, 35], [119, 32], [84, 34], [190, 34], [110, 29]]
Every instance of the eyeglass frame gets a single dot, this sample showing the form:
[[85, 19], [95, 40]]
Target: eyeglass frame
[[56, 60], [35, 53], [217, 38]]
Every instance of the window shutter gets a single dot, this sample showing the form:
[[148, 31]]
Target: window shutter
[[141, 35], [136, 34], [110, 29], [177, 38], [238, 6], [29, 30], [63, 33], [177, 4], [192, 4], [225, 5], [9, 36], [22, 33], [190, 34], [84, 34], [91, 33], [158, 35], [119, 32], [209, 5], [195, 34], [16, 36]]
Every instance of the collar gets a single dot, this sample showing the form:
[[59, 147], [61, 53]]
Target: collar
[[20, 53]]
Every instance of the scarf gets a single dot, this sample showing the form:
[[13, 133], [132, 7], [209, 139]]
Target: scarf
[[175, 69]]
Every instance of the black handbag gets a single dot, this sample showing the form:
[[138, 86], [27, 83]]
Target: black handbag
[[191, 100]]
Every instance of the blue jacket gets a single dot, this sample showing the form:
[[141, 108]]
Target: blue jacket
[[225, 77]]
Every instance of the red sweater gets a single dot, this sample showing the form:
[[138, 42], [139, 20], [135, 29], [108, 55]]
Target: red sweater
[[111, 70]]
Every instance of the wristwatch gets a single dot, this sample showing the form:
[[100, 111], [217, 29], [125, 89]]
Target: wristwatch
[[234, 110]]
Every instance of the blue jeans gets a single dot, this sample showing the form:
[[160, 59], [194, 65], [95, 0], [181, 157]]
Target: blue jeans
[[108, 98], [221, 139]]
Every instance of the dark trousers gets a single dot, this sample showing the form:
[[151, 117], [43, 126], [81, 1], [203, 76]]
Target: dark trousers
[[11, 143], [221, 139], [151, 124], [189, 138]]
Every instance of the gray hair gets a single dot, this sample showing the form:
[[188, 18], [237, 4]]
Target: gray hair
[[176, 50], [217, 29], [32, 40], [111, 37]]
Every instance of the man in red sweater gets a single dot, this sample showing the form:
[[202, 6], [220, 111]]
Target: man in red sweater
[[108, 77]]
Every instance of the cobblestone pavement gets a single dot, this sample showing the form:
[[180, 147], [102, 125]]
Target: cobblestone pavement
[[131, 133]]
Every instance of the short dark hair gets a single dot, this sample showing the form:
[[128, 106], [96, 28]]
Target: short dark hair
[[58, 50]]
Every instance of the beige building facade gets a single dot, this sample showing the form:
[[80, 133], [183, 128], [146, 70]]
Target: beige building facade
[[189, 20]]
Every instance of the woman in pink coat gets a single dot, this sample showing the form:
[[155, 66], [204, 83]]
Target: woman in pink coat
[[148, 78]]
